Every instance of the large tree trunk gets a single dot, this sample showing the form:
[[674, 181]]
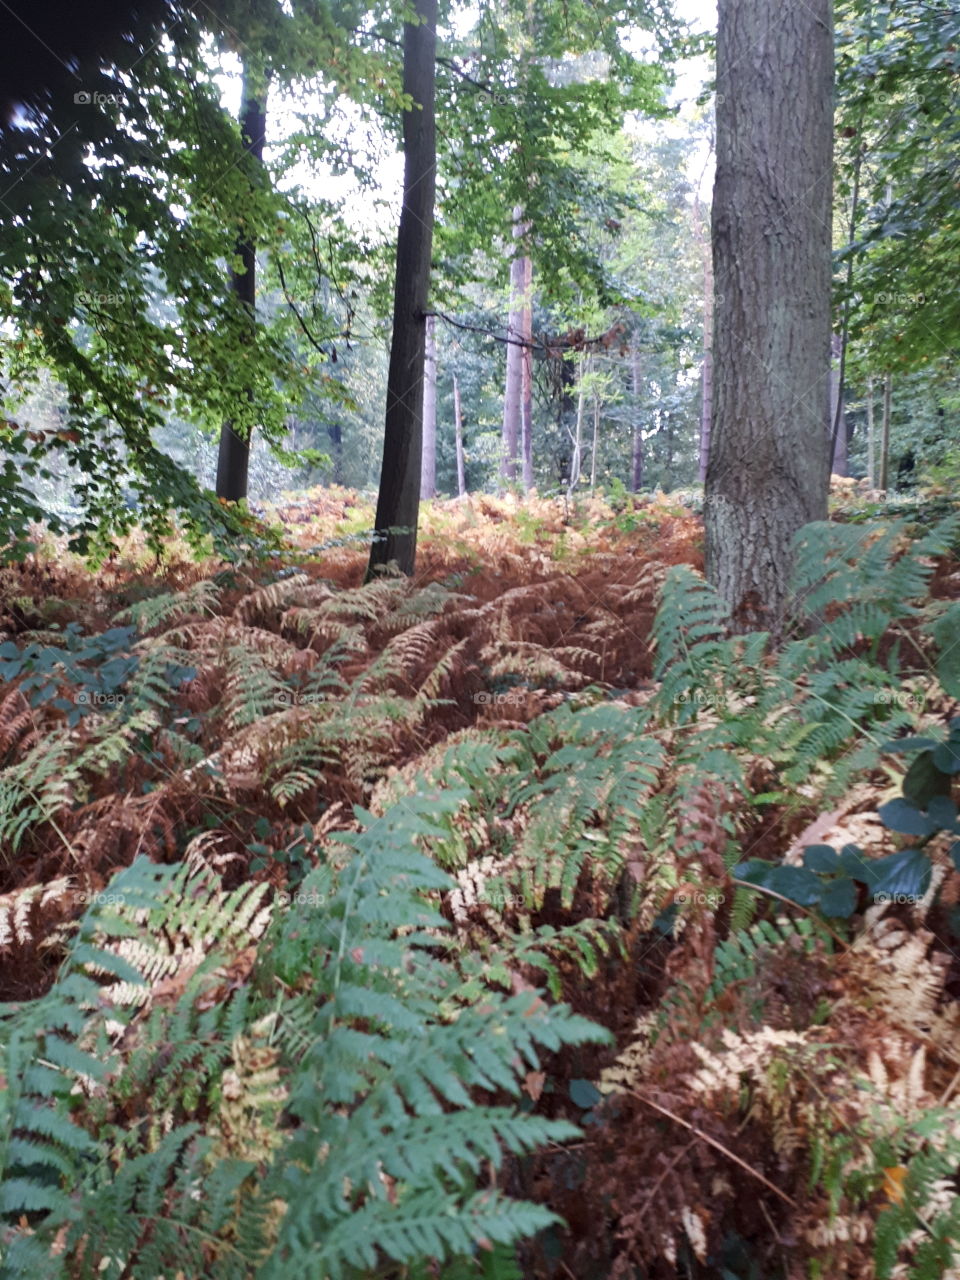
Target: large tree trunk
[[636, 462], [398, 503], [768, 472], [706, 375], [428, 461], [233, 458], [871, 474], [458, 429]]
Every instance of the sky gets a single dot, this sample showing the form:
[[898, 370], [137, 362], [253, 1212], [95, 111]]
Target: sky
[[380, 218]]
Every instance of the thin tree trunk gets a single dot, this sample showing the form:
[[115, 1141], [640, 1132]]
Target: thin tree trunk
[[837, 425], [398, 503], [513, 389], [428, 461], [233, 458], [578, 436], [636, 463], [458, 429], [593, 452], [769, 466], [885, 432], [871, 474]]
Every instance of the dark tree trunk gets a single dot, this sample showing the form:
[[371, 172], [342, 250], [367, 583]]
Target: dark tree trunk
[[233, 459], [768, 471], [428, 460], [335, 433], [398, 503]]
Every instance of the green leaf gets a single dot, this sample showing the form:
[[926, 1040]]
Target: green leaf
[[822, 858], [839, 899], [900, 815], [584, 1093]]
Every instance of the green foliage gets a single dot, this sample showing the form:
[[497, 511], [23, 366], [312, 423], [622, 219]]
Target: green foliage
[[381, 1048]]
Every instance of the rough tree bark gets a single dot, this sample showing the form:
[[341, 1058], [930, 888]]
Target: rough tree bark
[[768, 472], [398, 502], [706, 375], [428, 461], [233, 458], [458, 430]]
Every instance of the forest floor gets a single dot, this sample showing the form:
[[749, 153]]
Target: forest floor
[[232, 715]]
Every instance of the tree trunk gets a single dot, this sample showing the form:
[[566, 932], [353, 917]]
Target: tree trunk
[[593, 451], [398, 503], [526, 376], [428, 461], [768, 471], [513, 389], [636, 463], [233, 459], [577, 436], [871, 473], [885, 433], [837, 424], [458, 428], [706, 375]]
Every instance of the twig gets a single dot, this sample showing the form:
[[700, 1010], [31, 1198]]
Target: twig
[[718, 1146]]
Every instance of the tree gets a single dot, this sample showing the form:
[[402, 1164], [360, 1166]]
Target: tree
[[428, 462], [233, 461], [768, 470], [398, 502]]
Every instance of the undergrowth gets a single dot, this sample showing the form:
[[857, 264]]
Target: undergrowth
[[516, 920]]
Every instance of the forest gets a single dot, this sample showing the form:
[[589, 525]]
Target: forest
[[480, 640]]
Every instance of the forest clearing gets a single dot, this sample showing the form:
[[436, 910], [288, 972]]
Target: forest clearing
[[479, 640]]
